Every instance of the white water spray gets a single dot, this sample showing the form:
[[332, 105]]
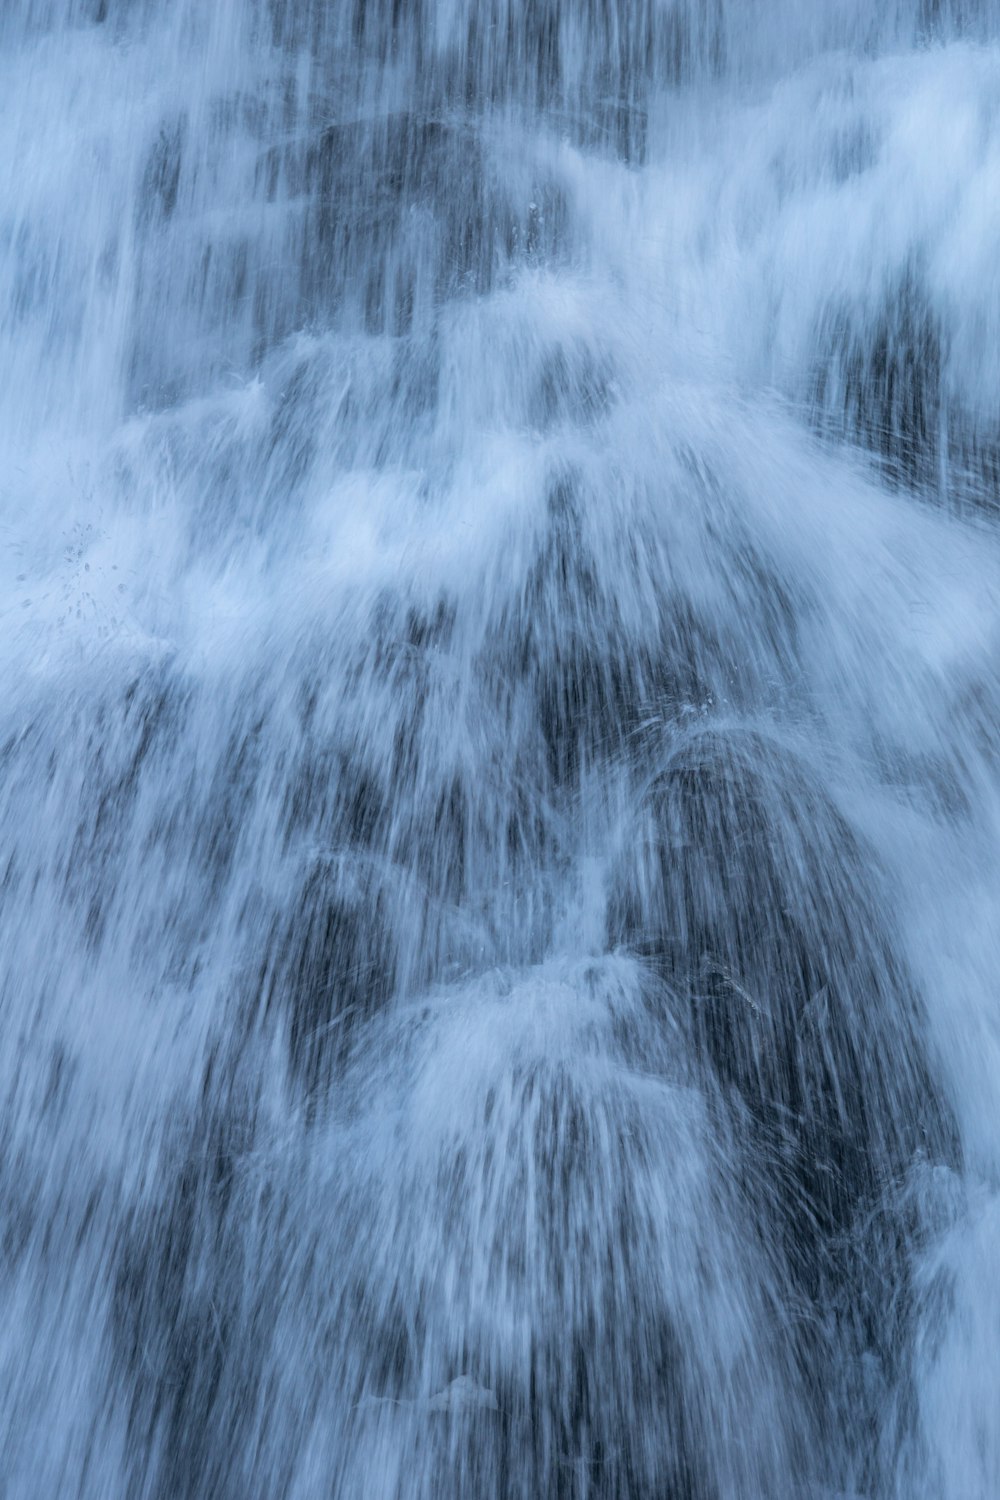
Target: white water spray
[[500, 804]]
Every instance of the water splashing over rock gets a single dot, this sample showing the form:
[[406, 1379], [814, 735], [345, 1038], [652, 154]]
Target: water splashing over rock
[[499, 797]]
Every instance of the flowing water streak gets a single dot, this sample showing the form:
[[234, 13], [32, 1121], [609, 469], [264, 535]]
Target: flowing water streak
[[498, 874]]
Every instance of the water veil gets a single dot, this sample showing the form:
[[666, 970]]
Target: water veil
[[499, 729]]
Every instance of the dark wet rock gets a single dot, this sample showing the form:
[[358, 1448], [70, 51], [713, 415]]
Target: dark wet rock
[[162, 174], [596, 682], [179, 1323], [330, 965], [751, 894], [591, 70], [381, 218], [128, 733], [882, 380], [561, 661], [335, 797], [402, 210], [939, 19]]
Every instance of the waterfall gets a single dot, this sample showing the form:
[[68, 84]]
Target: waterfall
[[500, 798]]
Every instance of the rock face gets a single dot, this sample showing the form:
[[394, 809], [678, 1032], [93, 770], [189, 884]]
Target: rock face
[[884, 378], [749, 892]]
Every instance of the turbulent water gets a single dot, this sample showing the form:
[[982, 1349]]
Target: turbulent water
[[499, 727]]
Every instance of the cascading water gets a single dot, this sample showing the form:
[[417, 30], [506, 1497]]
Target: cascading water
[[500, 800]]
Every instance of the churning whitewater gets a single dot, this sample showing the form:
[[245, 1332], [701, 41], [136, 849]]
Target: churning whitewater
[[500, 744]]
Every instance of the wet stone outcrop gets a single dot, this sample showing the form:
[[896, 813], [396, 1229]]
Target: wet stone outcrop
[[883, 379], [750, 894], [402, 210]]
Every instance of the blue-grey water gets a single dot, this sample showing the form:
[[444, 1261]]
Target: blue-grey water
[[499, 749]]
